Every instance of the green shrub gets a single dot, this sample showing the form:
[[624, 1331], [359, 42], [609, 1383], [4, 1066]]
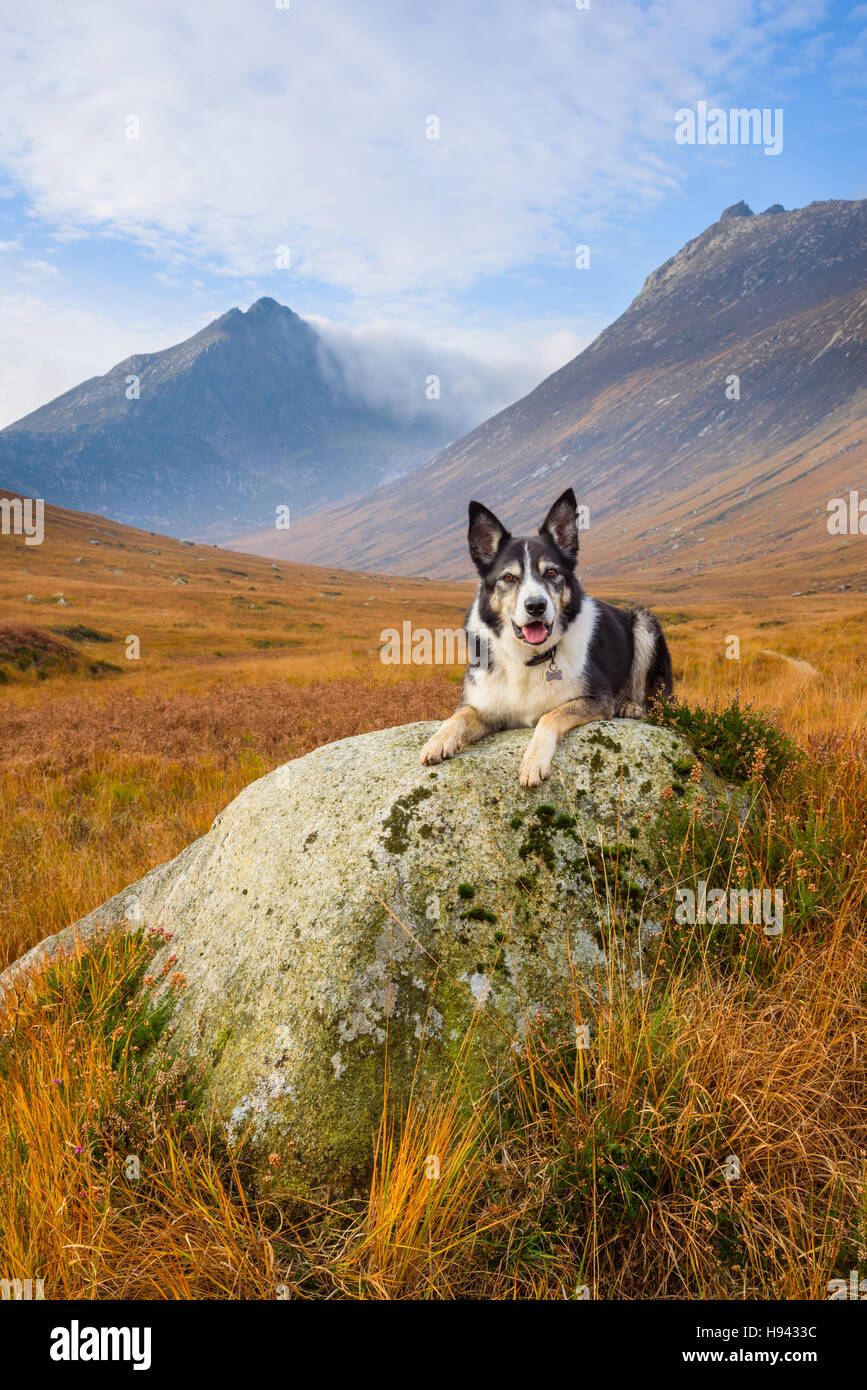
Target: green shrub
[[737, 741]]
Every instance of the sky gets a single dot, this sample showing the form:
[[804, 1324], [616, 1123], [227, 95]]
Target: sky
[[415, 179]]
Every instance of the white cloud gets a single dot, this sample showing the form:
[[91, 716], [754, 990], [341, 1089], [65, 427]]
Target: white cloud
[[262, 127], [38, 270], [47, 347], [479, 371]]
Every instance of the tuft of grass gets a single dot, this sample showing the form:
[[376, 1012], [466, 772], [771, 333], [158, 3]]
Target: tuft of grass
[[423, 1217], [111, 1185], [79, 632], [30, 653], [802, 837]]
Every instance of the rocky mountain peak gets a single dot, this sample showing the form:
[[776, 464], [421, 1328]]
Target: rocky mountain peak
[[740, 209], [249, 413]]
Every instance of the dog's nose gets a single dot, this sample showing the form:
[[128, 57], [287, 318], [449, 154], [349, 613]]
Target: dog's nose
[[535, 607]]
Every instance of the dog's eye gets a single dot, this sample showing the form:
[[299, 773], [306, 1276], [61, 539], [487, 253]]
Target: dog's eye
[[552, 574], [509, 578]]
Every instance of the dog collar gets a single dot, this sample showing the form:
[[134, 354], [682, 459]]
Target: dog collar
[[555, 674]]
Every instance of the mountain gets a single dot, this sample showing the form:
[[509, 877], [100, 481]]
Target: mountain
[[249, 414], [684, 469]]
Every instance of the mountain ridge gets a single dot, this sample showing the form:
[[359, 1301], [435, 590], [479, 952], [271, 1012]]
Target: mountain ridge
[[772, 306]]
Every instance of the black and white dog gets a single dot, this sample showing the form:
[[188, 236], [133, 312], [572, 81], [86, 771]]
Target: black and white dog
[[550, 655]]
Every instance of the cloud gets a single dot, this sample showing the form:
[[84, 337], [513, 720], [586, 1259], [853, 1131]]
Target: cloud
[[39, 270], [388, 369], [47, 347], [259, 127]]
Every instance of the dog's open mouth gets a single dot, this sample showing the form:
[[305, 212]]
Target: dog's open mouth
[[533, 633]]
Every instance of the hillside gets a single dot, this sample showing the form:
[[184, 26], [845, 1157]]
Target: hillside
[[200, 612], [250, 414], [682, 482]]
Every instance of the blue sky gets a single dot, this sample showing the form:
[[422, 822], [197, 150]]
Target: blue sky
[[306, 127]]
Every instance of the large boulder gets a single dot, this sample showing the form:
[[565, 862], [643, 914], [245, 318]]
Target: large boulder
[[353, 906]]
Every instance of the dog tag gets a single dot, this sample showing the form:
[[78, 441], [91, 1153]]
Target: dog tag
[[553, 675]]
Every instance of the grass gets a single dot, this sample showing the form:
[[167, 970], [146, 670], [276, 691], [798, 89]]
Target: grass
[[599, 1171], [87, 806], [77, 1107], [30, 654], [426, 1210], [628, 1158]]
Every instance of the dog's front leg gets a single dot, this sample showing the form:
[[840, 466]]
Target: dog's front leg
[[465, 726], [536, 762]]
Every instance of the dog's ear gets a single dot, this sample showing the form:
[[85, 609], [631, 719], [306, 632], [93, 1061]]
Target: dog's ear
[[486, 535], [561, 524]]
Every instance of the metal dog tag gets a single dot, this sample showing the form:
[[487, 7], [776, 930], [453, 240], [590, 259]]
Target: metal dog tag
[[553, 675]]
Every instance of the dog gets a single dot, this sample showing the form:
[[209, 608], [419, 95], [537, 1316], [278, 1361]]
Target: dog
[[543, 653]]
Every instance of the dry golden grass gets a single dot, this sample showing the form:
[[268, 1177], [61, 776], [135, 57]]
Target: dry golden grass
[[628, 1160], [426, 1209], [95, 789], [73, 1106]]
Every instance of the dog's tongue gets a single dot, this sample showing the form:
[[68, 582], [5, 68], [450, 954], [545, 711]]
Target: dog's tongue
[[535, 633]]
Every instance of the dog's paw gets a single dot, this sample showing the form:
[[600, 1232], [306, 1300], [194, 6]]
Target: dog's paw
[[443, 744], [535, 767], [629, 710]]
